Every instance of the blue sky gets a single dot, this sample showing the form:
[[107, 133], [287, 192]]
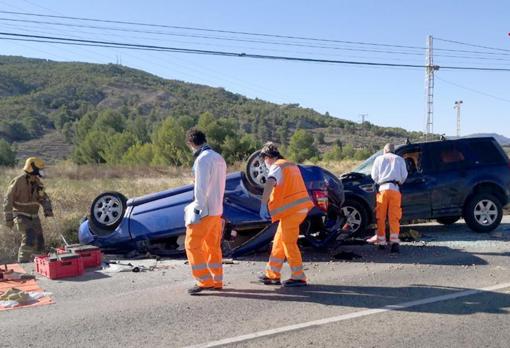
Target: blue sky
[[390, 96]]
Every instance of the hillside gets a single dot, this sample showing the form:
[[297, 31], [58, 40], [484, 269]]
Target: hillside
[[40, 99]]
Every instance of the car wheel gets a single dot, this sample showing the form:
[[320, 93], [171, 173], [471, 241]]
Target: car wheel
[[256, 172], [356, 216], [448, 220], [106, 211], [483, 212]]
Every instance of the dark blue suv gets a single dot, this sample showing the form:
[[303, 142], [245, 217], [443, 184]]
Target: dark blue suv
[[449, 179]]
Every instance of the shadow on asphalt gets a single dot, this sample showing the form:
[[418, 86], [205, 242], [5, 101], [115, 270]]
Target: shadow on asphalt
[[409, 254], [422, 252], [378, 297], [458, 232]]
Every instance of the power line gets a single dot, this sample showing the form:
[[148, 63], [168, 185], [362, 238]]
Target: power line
[[63, 40], [211, 30], [209, 37], [261, 34], [473, 90], [263, 42], [472, 45]]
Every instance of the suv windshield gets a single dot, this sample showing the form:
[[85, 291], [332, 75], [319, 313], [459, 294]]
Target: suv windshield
[[366, 167]]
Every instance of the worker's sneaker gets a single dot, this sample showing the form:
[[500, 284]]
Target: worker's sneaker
[[268, 281], [372, 240], [197, 289], [395, 248], [294, 283], [381, 246]]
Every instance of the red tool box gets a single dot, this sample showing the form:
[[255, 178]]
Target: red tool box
[[91, 255], [58, 266]]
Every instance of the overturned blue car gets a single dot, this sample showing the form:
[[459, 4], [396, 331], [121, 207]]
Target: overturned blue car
[[155, 223]]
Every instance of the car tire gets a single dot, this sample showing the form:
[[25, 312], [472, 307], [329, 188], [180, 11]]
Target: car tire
[[107, 211], [356, 216], [255, 178], [483, 212], [448, 220]]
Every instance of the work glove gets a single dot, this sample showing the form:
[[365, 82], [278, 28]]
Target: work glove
[[192, 214], [264, 214], [9, 223]]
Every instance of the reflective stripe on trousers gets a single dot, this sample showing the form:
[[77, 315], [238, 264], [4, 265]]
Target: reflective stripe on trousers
[[388, 206], [203, 249], [285, 247]]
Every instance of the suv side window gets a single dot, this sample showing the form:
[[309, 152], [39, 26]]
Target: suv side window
[[447, 156], [485, 152], [413, 157]]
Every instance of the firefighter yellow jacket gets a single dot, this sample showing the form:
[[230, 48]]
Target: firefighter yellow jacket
[[24, 196]]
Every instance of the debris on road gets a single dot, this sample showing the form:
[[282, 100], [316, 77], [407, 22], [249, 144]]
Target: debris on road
[[410, 235]]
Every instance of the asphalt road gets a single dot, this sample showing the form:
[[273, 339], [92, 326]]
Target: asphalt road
[[451, 290]]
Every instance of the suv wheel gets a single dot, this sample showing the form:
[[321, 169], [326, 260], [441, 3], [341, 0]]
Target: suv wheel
[[356, 216], [483, 212], [448, 220]]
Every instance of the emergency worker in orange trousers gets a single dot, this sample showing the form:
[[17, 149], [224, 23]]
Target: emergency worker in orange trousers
[[388, 172], [285, 200], [204, 224]]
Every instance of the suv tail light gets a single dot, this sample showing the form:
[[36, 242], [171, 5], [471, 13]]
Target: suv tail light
[[320, 199]]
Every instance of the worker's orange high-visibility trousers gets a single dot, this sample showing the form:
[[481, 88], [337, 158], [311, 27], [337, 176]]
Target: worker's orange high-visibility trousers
[[388, 205], [203, 249], [285, 247]]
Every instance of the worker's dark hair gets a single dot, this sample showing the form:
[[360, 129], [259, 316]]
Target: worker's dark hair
[[195, 137], [270, 150]]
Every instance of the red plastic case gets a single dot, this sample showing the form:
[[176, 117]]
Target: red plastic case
[[91, 255], [59, 266]]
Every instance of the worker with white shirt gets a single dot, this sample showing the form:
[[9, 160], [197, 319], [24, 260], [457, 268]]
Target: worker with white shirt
[[389, 171], [203, 220]]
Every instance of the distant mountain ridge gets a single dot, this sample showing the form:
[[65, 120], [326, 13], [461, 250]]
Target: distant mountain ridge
[[503, 140]]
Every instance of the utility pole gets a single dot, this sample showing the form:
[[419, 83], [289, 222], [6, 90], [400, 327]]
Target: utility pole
[[429, 88], [458, 103], [363, 118]]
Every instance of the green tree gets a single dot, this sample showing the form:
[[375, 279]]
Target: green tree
[[139, 155], [138, 127], [116, 147], [110, 119], [237, 149], [301, 146], [334, 154], [319, 138], [91, 149], [7, 154], [348, 151], [362, 154], [170, 146]]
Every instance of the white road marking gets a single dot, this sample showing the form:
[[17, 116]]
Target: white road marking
[[349, 316]]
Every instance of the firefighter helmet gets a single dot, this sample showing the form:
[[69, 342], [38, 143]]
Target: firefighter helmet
[[33, 165]]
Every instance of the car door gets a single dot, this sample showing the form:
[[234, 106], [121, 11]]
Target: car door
[[450, 172], [416, 191]]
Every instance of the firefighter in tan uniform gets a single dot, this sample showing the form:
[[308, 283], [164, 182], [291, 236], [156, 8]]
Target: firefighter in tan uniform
[[21, 208]]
